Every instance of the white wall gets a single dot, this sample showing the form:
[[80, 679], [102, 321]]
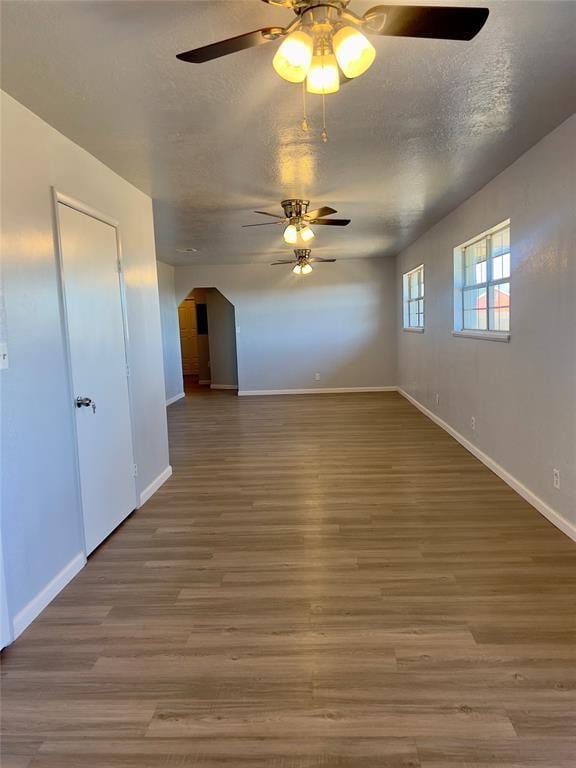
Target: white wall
[[173, 382], [338, 321], [523, 394], [40, 509], [222, 335]]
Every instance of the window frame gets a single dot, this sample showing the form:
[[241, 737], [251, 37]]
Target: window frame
[[407, 300], [460, 287]]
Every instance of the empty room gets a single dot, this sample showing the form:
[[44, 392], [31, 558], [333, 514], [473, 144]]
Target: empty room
[[288, 384]]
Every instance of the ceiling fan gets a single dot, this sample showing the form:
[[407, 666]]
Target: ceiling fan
[[298, 218], [303, 261], [326, 36]]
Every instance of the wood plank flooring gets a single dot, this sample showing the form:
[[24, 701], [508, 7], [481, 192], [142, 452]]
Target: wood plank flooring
[[326, 581]]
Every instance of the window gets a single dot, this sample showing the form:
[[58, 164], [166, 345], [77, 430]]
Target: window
[[413, 292], [482, 285]]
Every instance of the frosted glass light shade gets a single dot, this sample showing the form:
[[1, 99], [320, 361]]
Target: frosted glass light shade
[[306, 269], [306, 234], [354, 52], [323, 77], [293, 58], [297, 269], [290, 234]]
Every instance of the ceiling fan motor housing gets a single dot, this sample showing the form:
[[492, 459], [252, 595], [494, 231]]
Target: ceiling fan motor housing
[[295, 208], [302, 254], [301, 6]]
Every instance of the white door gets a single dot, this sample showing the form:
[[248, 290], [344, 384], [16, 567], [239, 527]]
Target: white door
[[92, 292]]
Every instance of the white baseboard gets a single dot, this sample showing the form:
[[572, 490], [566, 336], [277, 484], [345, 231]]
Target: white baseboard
[[35, 607], [545, 509], [204, 382], [171, 400], [314, 391], [151, 489], [223, 386]]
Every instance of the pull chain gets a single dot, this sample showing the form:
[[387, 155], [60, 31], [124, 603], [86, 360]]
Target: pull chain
[[304, 124], [324, 134]]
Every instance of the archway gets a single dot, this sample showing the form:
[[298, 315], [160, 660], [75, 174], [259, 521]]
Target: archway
[[208, 341]]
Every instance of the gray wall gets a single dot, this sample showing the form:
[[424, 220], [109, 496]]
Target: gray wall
[[523, 394], [40, 509], [222, 335], [338, 321], [173, 381]]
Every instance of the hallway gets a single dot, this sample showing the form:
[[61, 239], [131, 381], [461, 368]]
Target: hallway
[[326, 580]]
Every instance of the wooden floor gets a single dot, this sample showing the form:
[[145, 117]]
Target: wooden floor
[[325, 581]]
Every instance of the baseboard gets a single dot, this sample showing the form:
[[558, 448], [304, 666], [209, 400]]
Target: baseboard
[[151, 489], [35, 607], [314, 391], [171, 400], [223, 386], [545, 509], [204, 382]]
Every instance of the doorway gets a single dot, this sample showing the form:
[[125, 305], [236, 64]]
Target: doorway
[[95, 326], [208, 342]]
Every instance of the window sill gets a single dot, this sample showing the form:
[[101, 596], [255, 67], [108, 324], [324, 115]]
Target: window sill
[[413, 330], [485, 335]]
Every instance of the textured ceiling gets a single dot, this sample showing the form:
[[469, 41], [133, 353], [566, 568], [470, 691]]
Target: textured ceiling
[[423, 129]]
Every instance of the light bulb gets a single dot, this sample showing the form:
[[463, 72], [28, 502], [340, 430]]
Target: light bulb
[[306, 269], [297, 269], [290, 234], [292, 59], [323, 76], [354, 52], [306, 234]]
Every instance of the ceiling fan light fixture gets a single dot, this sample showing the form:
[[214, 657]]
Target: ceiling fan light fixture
[[323, 76], [297, 269], [291, 234], [306, 269], [306, 234], [293, 58], [354, 52]]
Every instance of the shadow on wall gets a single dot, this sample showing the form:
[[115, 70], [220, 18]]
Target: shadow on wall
[[208, 339]]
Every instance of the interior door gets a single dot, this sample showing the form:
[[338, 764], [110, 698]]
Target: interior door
[[93, 298], [188, 337]]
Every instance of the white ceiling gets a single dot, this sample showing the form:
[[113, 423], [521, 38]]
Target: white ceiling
[[424, 128]]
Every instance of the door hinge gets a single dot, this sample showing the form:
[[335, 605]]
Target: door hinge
[[134, 470], [119, 265], [127, 370]]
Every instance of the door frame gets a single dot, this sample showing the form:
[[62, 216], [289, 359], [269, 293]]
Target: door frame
[[81, 207]]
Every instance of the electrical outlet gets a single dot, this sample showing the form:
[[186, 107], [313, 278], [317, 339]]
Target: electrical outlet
[[316, 377], [556, 478], [437, 398], [473, 423]]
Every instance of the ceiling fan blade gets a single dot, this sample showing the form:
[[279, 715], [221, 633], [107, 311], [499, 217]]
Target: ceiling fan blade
[[262, 224], [332, 222], [317, 258], [231, 45], [275, 215], [440, 22], [319, 212], [276, 263]]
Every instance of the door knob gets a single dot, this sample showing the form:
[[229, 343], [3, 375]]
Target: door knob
[[85, 401]]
